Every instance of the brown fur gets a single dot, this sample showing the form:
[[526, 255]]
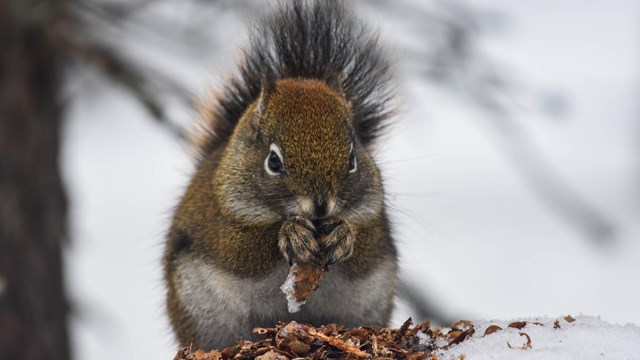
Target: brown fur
[[313, 122], [215, 222]]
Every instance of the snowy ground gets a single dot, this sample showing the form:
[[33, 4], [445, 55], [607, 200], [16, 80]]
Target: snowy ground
[[472, 235], [584, 338]]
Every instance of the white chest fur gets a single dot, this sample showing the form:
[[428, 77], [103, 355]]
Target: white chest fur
[[224, 307]]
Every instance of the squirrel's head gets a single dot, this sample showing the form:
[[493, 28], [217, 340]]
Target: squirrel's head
[[295, 152]]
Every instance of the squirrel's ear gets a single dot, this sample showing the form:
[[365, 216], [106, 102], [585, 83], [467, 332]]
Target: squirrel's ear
[[335, 83], [256, 116], [267, 87]]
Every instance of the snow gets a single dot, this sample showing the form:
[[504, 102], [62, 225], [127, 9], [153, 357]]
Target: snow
[[288, 288], [585, 338], [424, 338]]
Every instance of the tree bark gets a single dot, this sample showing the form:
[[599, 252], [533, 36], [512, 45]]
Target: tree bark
[[33, 222]]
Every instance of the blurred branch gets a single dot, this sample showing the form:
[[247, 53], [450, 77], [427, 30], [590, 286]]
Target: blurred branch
[[111, 11], [104, 20], [146, 86], [450, 58], [547, 184], [423, 307], [93, 31]]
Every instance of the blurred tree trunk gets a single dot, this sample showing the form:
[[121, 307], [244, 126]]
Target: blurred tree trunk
[[33, 223]]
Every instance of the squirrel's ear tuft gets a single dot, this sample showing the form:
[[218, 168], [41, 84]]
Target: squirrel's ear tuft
[[267, 88], [256, 118], [334, 82]]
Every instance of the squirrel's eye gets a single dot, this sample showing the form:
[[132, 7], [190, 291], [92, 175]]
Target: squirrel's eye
[[353, 164], [273, 163]]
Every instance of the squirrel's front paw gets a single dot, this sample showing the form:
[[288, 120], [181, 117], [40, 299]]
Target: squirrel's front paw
[[338, 244], [297, 241]]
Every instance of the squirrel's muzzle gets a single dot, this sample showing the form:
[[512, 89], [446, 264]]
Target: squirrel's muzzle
[[320, 207], [317, 207]]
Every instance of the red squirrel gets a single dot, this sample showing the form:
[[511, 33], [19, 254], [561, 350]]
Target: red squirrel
[[286, 160]]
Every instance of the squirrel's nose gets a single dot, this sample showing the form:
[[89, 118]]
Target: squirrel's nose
[[320, 207]]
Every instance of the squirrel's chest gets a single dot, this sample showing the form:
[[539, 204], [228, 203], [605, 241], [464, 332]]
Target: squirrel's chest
[[216, 297]]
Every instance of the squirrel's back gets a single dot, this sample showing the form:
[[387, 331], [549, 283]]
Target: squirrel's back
[[306, 39]]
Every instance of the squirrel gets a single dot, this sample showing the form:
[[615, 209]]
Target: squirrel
[[285, 159]]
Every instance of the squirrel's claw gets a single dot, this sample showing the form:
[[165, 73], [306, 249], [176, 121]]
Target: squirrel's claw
[[297, 241], [338, 245]]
